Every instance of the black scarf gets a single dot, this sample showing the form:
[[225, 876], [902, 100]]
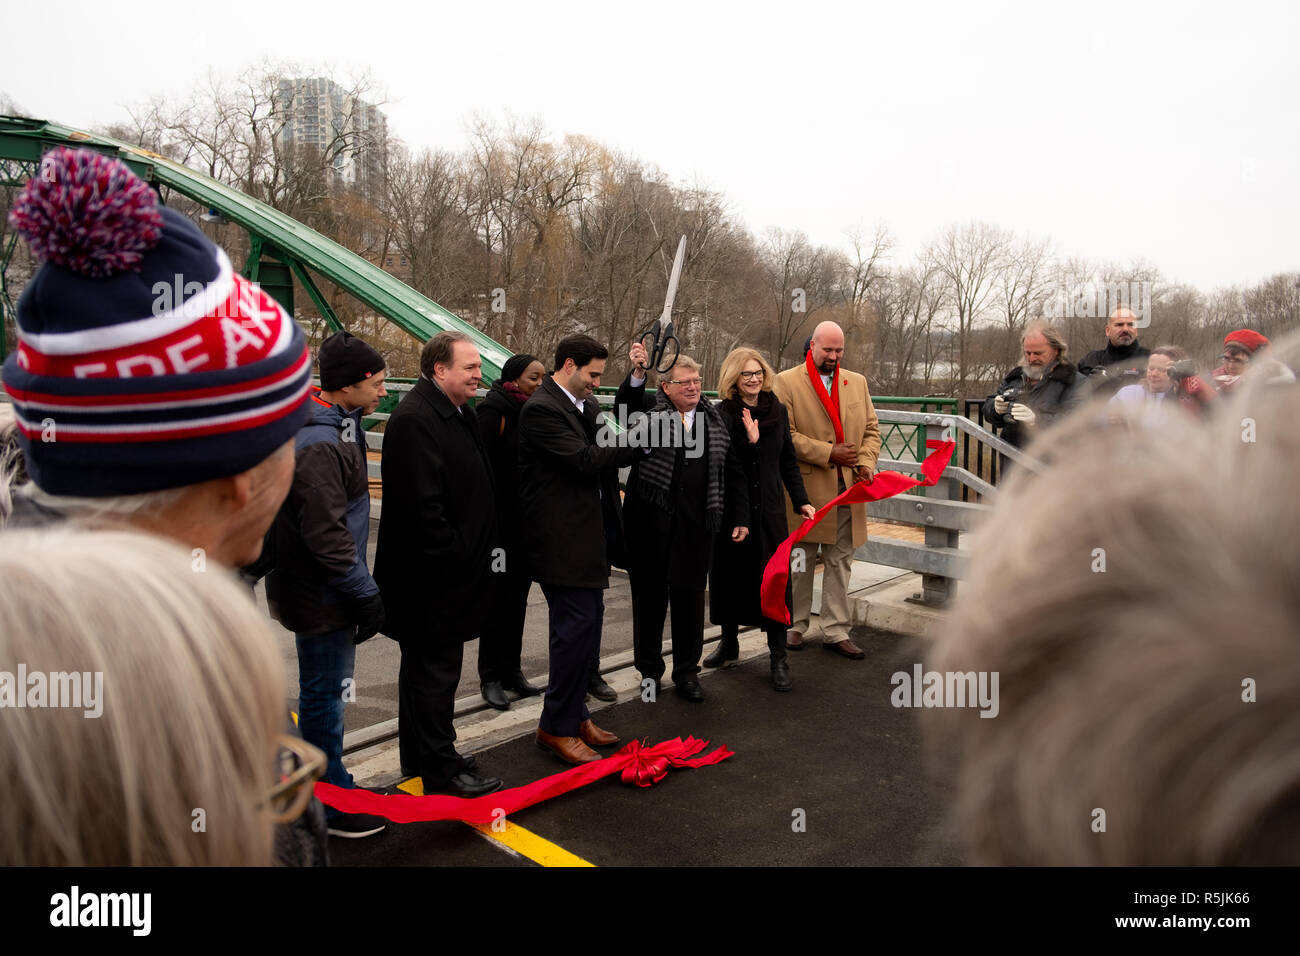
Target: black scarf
[[655, 471]]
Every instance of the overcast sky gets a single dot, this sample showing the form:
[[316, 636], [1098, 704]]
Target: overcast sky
[[1168, 131]]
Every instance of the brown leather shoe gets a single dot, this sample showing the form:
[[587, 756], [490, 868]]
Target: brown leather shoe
[[593, 736], [568, 749], [846, 648], [794, 640]]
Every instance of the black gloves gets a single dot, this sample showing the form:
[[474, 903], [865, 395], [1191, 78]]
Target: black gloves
[[368, 615]]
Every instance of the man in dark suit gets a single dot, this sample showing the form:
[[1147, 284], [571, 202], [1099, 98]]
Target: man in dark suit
[[676, 495], [573, 529], [434, 555]]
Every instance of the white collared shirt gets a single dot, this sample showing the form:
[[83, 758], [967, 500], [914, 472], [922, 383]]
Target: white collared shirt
[[580, 406]]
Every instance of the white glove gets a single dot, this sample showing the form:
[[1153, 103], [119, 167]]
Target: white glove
[[1000, 404], [1023, 414]]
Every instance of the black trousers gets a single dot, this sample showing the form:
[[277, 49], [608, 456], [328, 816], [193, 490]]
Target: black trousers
[[651, 597], [502, 638], [426, 703], [576, 616]]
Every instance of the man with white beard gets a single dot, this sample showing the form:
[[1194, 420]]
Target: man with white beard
[[1036, 392]]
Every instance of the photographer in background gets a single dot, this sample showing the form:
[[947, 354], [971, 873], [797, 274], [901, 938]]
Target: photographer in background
[[1170, 375], [1036, 392]]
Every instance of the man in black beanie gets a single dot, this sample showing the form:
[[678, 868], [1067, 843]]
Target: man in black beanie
[[320, 588]]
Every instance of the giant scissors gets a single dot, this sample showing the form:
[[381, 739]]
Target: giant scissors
[[659, 342]]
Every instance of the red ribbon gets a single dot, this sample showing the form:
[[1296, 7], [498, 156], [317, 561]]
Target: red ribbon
[[636, 763], [886, 485]]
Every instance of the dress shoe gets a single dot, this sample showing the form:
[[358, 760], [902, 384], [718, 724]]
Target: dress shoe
[[466, 784], [593, 736], [600, 690], [781, 675], [495, 695], [846, 648], [690, 689], [518, 683], [794, 641], [568, 749], [728, 649]]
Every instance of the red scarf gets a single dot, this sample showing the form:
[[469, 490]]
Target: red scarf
[[830, 402], [886, 485]]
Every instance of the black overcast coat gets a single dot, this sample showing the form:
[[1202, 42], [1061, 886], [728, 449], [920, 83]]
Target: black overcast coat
[[569, 504], [436, 529], [771, 470]]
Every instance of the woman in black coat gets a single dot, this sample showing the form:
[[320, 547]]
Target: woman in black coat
[[501, 643], [760, 433]]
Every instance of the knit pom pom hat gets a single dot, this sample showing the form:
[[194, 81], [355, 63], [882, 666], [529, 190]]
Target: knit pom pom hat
[[144, 361]]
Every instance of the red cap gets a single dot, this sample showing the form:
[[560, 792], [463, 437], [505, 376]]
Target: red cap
[[1248, 339]]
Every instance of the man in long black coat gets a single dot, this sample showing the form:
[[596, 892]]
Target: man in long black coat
[[676, 496], [434, 555], [573, 528]]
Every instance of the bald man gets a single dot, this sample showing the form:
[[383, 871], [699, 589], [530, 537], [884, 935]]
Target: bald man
[[1123, 361], [836, 439]]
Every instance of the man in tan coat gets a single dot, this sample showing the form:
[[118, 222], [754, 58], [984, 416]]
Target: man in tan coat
[[829, 459]]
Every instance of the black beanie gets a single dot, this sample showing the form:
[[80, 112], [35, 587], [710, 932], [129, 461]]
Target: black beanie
[[346, 360]]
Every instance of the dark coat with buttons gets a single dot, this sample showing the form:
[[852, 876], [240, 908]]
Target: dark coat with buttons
[[437, 526], [771, 470], [570, 511]]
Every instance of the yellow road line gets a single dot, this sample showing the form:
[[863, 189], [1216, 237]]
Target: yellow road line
[[512, 836]]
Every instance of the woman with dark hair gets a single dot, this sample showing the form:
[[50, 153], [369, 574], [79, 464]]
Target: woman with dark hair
[[502, 638], [760, 433]]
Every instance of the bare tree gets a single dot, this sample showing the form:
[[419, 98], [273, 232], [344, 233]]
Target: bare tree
[[971, 258]]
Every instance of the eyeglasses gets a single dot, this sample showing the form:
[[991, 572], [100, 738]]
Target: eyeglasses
[[298, 766], [757, 373], [687, 382]]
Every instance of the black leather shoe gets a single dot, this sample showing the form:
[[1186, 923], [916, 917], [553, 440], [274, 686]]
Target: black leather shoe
[[691, 690], [600, 690], [728, 650], [470, 785], [519, 684], [781, 675], [495, 695]]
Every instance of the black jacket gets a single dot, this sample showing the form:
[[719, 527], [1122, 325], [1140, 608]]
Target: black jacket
[[323, 527], [568, 491], [498, 427], [1123, 365], [771, 469], [1061, 390], [437, 524]]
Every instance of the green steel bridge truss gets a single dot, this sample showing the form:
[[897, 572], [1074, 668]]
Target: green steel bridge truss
[[280, 247]]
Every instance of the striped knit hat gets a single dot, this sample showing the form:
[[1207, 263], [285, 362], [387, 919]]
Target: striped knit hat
[[144, 362]]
